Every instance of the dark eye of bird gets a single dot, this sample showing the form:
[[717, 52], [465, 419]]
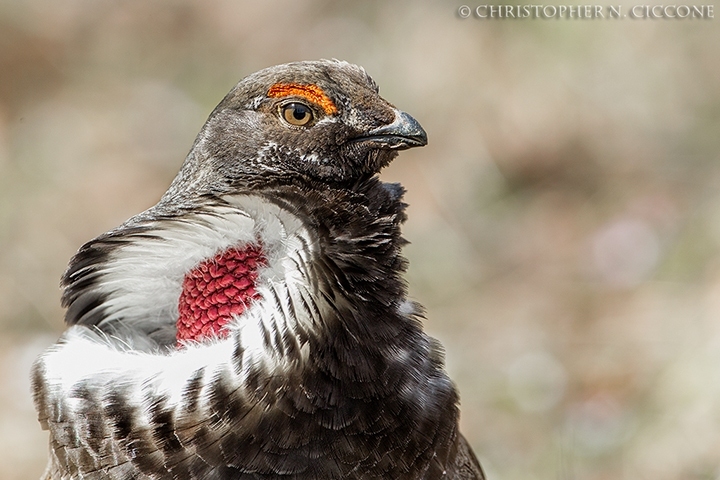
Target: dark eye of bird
[[297, 114]]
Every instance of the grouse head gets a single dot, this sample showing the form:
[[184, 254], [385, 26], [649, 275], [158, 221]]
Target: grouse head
[[306, 121]]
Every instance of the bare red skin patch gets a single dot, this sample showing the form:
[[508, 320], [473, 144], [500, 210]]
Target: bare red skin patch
[[216, 290], [310, 92]]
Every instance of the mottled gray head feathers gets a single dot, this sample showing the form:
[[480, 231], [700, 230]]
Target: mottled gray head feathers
[[320, 121]]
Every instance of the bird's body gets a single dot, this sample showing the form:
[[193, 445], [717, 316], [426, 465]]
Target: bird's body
[[254, 323]]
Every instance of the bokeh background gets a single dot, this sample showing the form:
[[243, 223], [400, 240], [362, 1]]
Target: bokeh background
[[564, 218]]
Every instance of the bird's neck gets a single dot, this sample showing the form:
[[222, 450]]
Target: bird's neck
[[370, 329], [358, 242]]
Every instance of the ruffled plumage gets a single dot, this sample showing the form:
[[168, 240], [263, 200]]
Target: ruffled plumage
[[326, 374]]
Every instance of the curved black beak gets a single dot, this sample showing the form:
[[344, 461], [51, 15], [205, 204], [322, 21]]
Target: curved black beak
[[404, 132]]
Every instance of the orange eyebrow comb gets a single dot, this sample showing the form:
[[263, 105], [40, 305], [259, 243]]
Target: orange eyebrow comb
[[311, 92]]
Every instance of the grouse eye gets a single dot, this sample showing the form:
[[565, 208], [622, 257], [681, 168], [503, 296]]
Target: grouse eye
[[297, 114]]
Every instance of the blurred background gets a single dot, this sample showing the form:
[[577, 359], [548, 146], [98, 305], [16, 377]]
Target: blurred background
[[564, 218]]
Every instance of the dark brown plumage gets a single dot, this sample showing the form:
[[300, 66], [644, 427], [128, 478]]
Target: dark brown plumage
[[320, 370]]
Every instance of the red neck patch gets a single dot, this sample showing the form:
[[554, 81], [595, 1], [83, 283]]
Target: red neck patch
[[217, 289]]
